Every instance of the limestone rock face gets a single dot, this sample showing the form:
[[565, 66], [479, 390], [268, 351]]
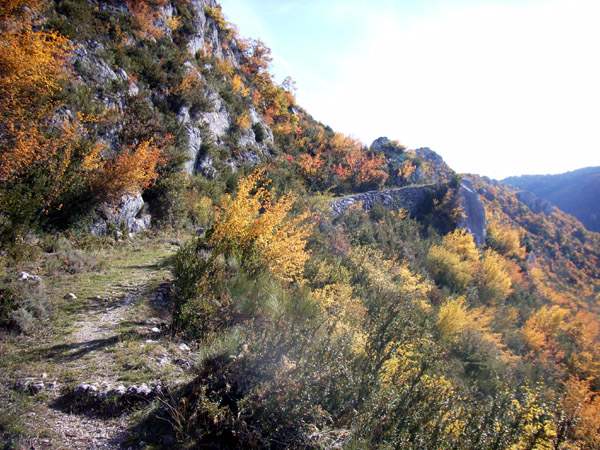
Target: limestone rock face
[[407, 198], [473, 219], [534, 203], [127, 212], [205, 34], [193, 148], [217, 121]]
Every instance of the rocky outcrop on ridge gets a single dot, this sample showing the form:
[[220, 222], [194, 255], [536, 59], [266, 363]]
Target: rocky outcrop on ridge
[[407, 198], [472, 219], [535, 204]]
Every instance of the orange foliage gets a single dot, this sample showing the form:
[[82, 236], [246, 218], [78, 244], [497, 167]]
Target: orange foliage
[[146, 17], [257, 57], [132, 170], [582, 414], [192, 81], [357, 165], [32, 65], [311, 166]]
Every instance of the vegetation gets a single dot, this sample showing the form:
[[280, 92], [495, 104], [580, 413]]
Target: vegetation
[[573, 192], [385, 328]]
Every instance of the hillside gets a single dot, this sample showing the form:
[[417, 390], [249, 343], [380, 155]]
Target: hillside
[[573, 192], [190, 260]]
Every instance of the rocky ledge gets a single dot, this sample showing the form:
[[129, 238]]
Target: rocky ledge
[[472, 219]]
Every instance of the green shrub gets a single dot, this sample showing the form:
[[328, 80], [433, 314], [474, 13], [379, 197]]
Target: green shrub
[[22, 304]]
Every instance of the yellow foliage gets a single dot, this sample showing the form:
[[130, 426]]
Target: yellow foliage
[[402, 363], [343, 312], [253, 220], [173, 23], [244, 120], [551, 320], [461, 243], [200, 208], [534, 337], [497, 284], [401, 214], [224, 67], [535, 420], [407, 169], [238, 86], [456, 261], [543, 326], [506, 239], [455, 319], [342, 145]]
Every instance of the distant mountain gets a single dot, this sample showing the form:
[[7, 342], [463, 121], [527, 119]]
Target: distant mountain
[[574, 192]]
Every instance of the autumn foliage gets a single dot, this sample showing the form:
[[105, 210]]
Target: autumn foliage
[[371, 329], [49, 152], [32, 66], [132, 170], [255, 225]]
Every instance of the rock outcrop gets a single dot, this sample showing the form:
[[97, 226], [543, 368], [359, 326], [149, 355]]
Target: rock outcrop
[[535, 204], [407, 198], [473, 213], [473, 218], [127, 214]]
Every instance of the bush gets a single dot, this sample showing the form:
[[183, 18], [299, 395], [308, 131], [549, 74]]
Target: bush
[[22, 304]]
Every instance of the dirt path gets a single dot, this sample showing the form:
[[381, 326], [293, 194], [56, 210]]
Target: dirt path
[[74, 431], [116, 338]]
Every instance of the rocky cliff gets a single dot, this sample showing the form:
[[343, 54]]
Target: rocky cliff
[[408, 198], [535, 204], [472, 217], [172, 86]]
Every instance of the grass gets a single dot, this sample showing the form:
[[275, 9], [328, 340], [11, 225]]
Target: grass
[[100, 336]]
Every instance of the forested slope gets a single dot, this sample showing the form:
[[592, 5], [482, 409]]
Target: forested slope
[[573, 192]]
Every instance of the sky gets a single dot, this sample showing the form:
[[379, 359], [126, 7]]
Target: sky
[[496, 87]]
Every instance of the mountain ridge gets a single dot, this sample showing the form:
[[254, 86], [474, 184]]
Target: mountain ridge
[[574, 192]]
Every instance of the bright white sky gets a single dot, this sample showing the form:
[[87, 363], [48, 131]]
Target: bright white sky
[[496, 87]]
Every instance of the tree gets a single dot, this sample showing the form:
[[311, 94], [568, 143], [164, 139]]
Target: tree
[[32, 66], [581, 420], [134, 169], [46, 152], [496, 284]]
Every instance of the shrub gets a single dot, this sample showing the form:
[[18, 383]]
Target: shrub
[[22, 304], [456, 262]]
